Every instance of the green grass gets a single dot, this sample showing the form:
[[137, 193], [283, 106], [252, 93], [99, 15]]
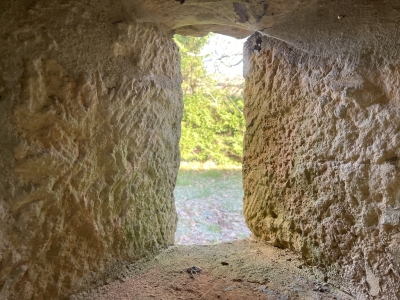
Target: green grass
[[209, 165], [214, 228], [209, 205]]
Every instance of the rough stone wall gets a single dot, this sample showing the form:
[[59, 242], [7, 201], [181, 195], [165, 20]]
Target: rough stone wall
[[90, 108], [321, 162]]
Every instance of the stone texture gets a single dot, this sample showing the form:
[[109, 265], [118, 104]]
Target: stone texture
[[90, 108], [90, 122], [323, 27], [321, 162]]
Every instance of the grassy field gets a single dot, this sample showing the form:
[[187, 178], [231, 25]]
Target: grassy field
[[209, 205]]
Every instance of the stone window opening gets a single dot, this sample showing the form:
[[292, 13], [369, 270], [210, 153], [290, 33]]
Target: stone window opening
[[209, 193]]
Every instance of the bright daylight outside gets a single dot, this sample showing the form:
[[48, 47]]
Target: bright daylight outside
[[209, 187]]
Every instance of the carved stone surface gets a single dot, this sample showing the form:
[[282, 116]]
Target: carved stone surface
[[90, 125], [321, 163], [90, 109], [323, 27]]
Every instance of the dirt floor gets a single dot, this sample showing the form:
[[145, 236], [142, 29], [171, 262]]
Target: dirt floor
[[244, 269]]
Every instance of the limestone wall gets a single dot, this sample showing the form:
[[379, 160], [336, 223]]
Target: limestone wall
[[90, 108], [321, 162]]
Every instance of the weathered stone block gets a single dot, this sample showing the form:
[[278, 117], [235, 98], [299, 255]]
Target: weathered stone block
[[90, 124], [321, 168]]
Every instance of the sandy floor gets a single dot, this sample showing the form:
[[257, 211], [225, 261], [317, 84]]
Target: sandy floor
[[243, 269]]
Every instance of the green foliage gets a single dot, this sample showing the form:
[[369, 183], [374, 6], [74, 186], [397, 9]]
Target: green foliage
[[212, 128], [213, 122], [195, 77]]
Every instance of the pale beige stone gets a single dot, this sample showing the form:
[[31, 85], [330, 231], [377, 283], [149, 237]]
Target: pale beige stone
[[90, 125], [90, 108], [321, 163]]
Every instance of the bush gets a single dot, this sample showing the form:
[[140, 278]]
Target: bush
[[213, 122], [212, 128]]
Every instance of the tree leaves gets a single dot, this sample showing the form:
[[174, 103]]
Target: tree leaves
[[212, 131], [213, 123]]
